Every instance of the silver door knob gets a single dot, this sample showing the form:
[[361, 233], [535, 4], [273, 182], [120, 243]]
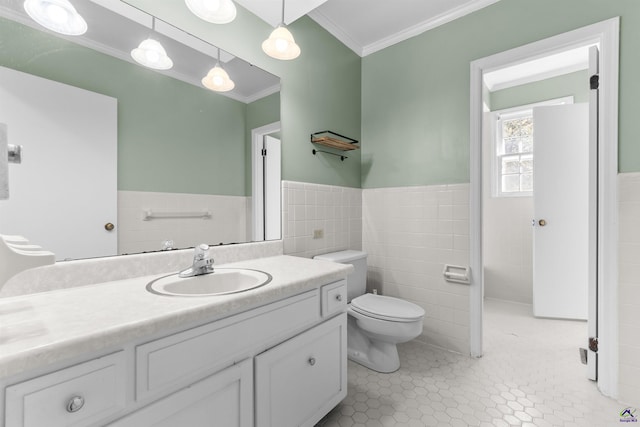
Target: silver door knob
[[339, 297], [75, 404], [312, 361]]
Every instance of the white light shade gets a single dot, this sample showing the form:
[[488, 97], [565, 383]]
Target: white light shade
[[281, 45], [218, 80], [214, 11], [151, 54], [56, 15]]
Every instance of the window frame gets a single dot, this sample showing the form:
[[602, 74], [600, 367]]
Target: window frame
[[496, 141]]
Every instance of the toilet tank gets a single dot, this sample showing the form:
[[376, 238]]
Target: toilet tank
[[357, 280]]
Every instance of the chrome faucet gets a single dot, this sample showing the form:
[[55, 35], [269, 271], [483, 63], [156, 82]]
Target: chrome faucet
[[202, 262]]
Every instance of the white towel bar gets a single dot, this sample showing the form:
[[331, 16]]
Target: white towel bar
[[149, 214]]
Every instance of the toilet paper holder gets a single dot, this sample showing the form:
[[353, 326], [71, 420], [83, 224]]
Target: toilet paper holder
[[457, 274]]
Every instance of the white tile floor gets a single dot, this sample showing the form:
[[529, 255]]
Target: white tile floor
[[530, 375]]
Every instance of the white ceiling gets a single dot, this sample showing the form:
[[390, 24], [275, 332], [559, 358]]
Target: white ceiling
[[366, 26], [270, 11]]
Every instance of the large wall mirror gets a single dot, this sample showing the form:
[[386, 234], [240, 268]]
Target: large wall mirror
[[108, 141]]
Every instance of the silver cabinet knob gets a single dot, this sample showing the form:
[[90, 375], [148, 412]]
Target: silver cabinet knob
[[75, 404], [542, 223], [312, 361], [339, 297]]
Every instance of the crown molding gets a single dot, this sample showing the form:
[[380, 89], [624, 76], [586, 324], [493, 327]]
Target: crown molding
[[336, 31], [400, 36], [262, 94]]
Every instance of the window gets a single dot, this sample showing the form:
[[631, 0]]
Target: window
[[513, 161], [515, 152]]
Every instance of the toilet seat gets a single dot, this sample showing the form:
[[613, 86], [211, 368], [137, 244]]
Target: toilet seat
[[387, 308]]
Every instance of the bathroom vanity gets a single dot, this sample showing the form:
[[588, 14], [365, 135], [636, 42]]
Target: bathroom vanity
[[115, 354]]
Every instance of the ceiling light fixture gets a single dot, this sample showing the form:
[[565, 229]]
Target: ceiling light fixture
[[56, 15], [217, 78], [280, 44], [151, 54], [214, 11]]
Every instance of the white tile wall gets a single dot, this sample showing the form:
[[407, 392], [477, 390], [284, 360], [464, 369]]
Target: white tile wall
[[336, 211], [409, 234], [507, 253], [228, 223], [629, 289]]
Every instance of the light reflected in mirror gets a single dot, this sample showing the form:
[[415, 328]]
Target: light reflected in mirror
[[183, 170]]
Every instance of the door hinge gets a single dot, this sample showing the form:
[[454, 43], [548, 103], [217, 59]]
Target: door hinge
[[594, 82], [593, 344], [264, 152]]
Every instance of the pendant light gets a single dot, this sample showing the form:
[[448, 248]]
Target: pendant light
[[214, 11], [151, 54], [280, 44], [56, 15], [217, 78]]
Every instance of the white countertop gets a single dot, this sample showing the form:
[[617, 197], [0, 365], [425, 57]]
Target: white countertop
[[41, 329]]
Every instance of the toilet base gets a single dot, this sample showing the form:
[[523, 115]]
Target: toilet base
[[376, 355], [385, 364]]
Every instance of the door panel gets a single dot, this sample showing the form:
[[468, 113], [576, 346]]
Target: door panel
[[65, 190], [561, 270], [272, 192]]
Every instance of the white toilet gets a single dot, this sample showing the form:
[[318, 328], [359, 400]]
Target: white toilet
[[376, 323]]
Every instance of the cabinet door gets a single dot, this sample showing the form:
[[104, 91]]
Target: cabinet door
[[301, 380], [223, 399]]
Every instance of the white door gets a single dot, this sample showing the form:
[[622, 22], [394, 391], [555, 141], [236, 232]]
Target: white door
[[272, 192], [266, 192], [562, 205], [65, 190]]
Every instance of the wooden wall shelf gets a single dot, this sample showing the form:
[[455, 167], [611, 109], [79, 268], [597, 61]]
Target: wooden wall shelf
[[334, 140]]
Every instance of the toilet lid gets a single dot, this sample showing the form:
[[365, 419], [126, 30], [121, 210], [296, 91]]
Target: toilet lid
[[387, 308]]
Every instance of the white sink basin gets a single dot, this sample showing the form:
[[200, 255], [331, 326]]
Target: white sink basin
[[221, 282]]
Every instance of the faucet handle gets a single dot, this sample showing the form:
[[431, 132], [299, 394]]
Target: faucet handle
[[201, 251]]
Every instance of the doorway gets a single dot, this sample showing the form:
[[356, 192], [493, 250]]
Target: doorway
[[265, 183], [606, 35]]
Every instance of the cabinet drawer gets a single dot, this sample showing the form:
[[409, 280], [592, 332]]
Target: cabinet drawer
[[334, 298], [301, 380], [96, 388], [176, 360]]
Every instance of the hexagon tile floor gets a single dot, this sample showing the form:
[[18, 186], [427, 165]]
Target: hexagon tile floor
[[530, 375]]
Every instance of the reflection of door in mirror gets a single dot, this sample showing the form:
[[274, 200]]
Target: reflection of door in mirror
[[69, 137], [266, 177]]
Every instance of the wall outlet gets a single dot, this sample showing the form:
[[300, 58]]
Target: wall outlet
[[318, 234]]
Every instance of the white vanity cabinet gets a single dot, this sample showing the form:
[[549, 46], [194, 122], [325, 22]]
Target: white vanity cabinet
[[223, 399], [300, 380], [280, 364]]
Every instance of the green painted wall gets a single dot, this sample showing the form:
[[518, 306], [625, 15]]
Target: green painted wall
[[172, 136], [320, 89], [415, 95], [259, 113], [573, 84]]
